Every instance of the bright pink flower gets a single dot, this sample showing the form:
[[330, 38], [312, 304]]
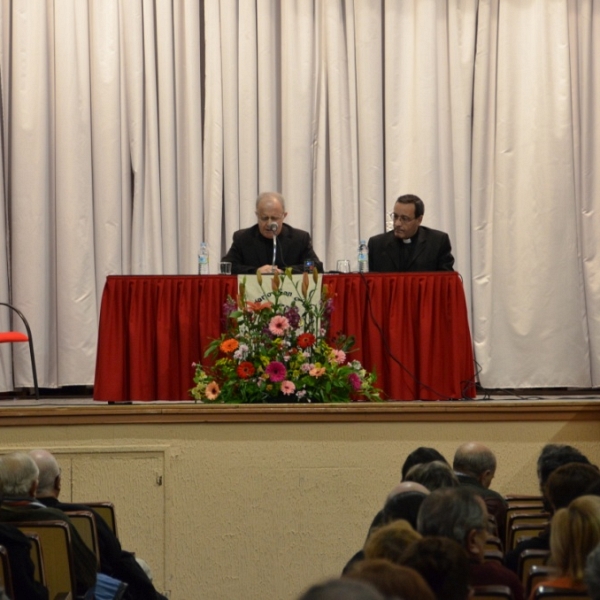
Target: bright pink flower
[[355, 382], [278, 325], [287, 387], [276, 371]]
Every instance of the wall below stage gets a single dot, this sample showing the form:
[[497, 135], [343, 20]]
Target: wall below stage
[[259, 510]]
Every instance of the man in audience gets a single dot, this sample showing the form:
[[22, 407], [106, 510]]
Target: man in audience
[[461, 515], [342, 589], [569, 482], [419, 456], [22, 569], [433, 475], [114, 561], [443, 564], [592, 574], [403, 502], [475, 467], [552, 457], [19, 477]]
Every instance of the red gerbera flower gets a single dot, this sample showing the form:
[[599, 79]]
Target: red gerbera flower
[[245, 370], [306, 339]]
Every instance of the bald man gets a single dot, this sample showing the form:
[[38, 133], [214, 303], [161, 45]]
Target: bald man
[[475, 467], [252, 248]]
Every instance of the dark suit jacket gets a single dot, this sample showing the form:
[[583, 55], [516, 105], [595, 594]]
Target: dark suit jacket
[[114, 561], [251, 250], [433, 252], [21, 567]]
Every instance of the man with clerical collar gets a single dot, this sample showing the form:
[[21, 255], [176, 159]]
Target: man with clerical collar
[[252, 248], [410, 246]]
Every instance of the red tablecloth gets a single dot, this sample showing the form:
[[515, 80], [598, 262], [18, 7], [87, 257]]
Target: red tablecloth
[[411, 328]]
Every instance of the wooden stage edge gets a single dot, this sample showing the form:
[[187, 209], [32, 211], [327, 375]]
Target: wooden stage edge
[[43, 413]]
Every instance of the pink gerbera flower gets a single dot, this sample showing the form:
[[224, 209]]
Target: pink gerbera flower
[[355, 382], [287, 387], [278, 325], [276, 371], [340, 356]]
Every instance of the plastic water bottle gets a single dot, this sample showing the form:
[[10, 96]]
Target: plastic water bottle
[[363, 257], [203, 259]]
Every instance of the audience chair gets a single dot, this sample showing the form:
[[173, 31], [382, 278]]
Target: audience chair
[[529, 558], [492, 592], [35, 554], [5, 576], [520, 510], [494, 543], [494, 555], [85, 523], [538, 574], [55, 540], [107, 511], [520, 531], [545, 592], [12, 337], [520, 499]]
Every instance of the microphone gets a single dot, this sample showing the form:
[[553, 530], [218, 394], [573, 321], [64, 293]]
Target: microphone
[[272, 227]]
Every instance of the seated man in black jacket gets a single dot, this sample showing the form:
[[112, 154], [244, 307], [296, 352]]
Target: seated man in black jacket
[[114, 561], [252, 248]]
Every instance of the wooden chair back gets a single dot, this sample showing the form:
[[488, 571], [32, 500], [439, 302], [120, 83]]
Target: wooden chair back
[[107, 511], [529, 558], [493, 542], [5, 575], [537, 574], [85, 524], [39, 573], [545, 592], [523, 499], [519, 512], [57, 553], [494, 555], [492, 592], [521, 530]]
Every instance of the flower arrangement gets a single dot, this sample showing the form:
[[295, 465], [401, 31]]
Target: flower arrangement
[[277, 352]]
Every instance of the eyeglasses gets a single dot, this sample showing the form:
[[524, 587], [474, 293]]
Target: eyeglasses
[[403, 218], [270, 219]]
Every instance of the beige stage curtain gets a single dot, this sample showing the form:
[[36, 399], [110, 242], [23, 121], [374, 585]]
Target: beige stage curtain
[[134, 129]]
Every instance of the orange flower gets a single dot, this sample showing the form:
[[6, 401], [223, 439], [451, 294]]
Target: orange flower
[[245, 370], [258, 306], [229, 346], [306, 339], [305, 284], [212, 390]]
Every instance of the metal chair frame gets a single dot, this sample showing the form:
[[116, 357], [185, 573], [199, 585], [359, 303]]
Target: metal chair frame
[[30, 342]]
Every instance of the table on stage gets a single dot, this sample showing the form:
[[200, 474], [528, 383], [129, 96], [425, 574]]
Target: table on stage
[[411, 328]]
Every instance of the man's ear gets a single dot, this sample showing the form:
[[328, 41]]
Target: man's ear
[[33, 488], [57, 482], [471, 542]]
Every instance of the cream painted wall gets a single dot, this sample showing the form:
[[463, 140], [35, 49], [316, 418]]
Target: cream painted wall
[[256, 511]]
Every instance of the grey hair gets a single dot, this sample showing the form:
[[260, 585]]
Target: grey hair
[[48, 471], [451, 513], [474, 462], [271, 195], [18, 472], [591, 576], [433, 475], [342, 589]]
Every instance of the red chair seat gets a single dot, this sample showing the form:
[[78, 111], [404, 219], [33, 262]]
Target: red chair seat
[[13, 336]]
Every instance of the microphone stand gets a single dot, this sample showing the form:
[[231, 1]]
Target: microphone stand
[[273, 228]]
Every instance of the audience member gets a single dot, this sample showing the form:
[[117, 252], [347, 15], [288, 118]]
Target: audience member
[[475, 467], [21, 566], [591, 576], [423, 454], [403, 502], [443, 564], [575, 532], [342, 589], [569, 482], [390, 541], [114, 561], [461, 515], [551, 458], [433, 475], [19, 477], [392, 580]]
